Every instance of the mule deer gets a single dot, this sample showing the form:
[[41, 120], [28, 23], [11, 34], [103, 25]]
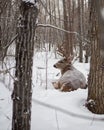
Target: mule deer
[[71, 78]]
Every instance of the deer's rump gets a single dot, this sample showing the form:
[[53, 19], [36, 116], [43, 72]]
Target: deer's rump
[[72, 80]]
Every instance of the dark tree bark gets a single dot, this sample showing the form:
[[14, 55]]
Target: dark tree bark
[[96, 76], [80, 20], [22, 93], [68, 25], [3, 13], [99, 7], [0, 46], [66, 39]]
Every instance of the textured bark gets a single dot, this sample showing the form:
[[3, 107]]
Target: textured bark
[[68, 25], [66, 39], [0, 45], [96, 76], [24, 60], [99, 7], [4, 14], [80, 11]]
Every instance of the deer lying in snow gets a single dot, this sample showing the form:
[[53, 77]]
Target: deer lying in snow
[[71, 78]]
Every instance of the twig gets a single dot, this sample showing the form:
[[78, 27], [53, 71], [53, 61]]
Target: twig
[[6, 116], [57, 120], [8, 71], [10, 42], [46, 68]]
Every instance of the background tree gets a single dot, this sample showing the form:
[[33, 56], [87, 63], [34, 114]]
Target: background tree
[[8, 19], [7, 25], [81, 31]]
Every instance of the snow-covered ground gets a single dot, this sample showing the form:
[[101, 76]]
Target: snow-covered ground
[[52, 109]]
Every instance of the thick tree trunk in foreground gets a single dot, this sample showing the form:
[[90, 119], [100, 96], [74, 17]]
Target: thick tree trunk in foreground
[[23, 76], [96, 77]]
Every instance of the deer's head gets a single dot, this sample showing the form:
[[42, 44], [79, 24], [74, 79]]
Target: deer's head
[[61, 64], [64, 64]]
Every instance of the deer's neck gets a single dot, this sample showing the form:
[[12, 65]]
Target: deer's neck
[[69, 67]]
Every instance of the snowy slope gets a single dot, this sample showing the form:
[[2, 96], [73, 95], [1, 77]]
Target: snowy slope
[[52, 109]]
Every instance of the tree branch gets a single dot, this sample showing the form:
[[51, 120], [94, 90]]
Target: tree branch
[[6, 71], [63, 30], [52, 26], [10, 41]]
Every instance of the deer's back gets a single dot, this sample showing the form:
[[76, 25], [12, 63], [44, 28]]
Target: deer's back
[[73, 78]]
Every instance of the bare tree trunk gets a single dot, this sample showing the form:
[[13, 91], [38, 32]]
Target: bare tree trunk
[[5, 8], [0, 45], [99, 5], [96, 77], [22, 93], [66, 39], [80, 30], [70, 24]]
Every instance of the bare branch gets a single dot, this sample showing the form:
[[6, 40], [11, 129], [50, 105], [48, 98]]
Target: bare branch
[[63, 30], [13, 39], [52, 26], [8, 71]]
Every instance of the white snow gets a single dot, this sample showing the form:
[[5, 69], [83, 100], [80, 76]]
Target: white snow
[[52, 109], [5, 108], [34, 2], [31, 1]]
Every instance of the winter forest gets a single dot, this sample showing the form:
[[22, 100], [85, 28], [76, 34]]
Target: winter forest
[[51, 64]]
